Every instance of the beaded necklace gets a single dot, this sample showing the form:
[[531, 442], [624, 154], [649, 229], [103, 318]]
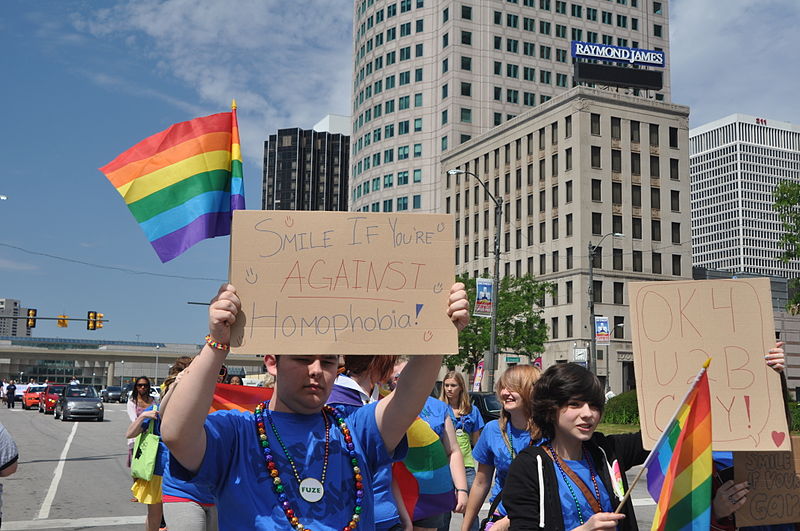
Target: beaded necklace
[[311, 490], [557, 461], [272, 467]]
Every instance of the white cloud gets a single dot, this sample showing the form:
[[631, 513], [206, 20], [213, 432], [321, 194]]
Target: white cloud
[[13, 265], [735, 56], [286, 63]]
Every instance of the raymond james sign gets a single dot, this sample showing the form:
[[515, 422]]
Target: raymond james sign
[[588, 50]]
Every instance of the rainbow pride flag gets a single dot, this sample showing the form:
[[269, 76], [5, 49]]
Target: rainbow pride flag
[[424, 475], [239, 397], [680, 465], [182, 184]]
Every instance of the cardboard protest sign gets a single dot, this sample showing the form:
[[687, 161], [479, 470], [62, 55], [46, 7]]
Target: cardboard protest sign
[[342, 283], [676, 326], [774, 486]]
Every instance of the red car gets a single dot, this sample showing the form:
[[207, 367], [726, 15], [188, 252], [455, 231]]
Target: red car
[[30, 398], [49, 397]]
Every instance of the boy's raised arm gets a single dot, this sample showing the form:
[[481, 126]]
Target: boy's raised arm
[[395, 413], [182, 424]]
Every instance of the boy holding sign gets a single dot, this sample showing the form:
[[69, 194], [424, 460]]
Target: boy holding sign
[[295, 462]]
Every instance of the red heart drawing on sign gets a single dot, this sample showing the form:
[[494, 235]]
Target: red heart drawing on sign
[[778, 437]]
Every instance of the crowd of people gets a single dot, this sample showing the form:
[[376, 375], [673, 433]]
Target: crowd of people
[[341, 439]]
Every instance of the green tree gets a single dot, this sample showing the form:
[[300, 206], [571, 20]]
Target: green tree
[[787, 205], [520, 327]]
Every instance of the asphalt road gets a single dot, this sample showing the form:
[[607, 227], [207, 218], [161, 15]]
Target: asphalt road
[[72, 475]]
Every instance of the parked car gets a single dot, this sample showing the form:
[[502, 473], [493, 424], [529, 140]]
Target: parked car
[[49, 397], [126, 392], [488, 404], [30, 398], [79, 401], [112, 393]]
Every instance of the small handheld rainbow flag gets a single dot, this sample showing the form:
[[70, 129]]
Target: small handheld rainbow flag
[[679, 466], [182, 184]]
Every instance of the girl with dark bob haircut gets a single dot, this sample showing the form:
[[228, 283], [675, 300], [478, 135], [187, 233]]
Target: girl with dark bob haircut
[[559, 385], [572, 477]]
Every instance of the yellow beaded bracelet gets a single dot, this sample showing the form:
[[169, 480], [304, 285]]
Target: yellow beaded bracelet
[[211, 342]]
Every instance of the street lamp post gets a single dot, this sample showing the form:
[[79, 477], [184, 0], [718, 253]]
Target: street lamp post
[[608, 355], [592, 358], [498, 220], [122, 374]]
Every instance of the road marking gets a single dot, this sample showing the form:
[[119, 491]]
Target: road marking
[[23, 525], [44, 511], [641, 502]]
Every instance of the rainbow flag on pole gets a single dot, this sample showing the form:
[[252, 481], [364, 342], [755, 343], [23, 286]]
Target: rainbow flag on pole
[[182, 184], [679, 466]]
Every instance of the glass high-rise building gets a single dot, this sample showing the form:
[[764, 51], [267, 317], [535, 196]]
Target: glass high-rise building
[[429, 75]]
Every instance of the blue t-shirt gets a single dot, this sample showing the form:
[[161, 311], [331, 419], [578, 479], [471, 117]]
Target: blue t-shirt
[[435, 413], [386, 515], [492, 450], [568, 509], [235, 468], [469, 423]]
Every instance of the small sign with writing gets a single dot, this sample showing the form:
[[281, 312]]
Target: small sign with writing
[[774, 486], [342, 283]]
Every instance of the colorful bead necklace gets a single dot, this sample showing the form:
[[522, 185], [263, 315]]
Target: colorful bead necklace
[[557, 461], [309, 481], [272, 467]]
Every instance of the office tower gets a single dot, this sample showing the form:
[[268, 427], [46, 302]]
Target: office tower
[[307, 169], [12, 327], [735, 165], [428, 75], [571, 173]]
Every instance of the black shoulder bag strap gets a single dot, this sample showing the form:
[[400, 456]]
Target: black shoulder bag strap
[[492, 509]]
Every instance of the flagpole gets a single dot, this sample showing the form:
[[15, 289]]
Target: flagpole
[[646, 463]]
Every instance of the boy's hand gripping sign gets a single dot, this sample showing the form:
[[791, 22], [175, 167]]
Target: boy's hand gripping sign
[[342, 283]]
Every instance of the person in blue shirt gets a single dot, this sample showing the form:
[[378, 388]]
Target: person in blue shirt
[[358, 386], [502, 440], [294, 463], [468, 424]]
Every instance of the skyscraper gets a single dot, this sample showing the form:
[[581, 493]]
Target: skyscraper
[[429, 75], [735, 164], [12, 327], [307, 169]]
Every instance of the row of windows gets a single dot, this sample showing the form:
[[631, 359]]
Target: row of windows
[[388, 181], [403, 153], [380, 15], [389, 205]]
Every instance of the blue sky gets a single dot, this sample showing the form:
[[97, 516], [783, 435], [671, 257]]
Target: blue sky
[[83, 81]]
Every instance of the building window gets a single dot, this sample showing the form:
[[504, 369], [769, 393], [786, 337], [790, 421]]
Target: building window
[[466, 115], [657, 263], [676, 264], [675, 200], [597, 223], [466, 89], [673, 169], [673, 137], [619, 291], [597, 290], [595, 124], [596, 157], [596, 190], [637, 261], [554, 328], [617, 259], [466, 12], [616, 161], [636, 228], [466, 38], [676, 232], [655, 230], [654, 135]]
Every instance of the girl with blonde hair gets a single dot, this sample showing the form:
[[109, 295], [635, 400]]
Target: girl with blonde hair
[[502, 440], [468, 424]]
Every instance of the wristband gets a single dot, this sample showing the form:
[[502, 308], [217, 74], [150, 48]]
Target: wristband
[[211, 342], [465, 491]]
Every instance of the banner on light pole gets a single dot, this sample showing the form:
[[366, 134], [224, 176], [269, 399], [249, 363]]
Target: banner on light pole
[[601, 331], [484, 297]]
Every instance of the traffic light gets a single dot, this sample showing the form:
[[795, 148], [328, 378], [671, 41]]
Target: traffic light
[[63, 321], [31, 318], [91, 322], [99, 322]]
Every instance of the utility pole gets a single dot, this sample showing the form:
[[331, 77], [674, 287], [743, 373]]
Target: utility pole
[[498, 222], [592, 358]]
